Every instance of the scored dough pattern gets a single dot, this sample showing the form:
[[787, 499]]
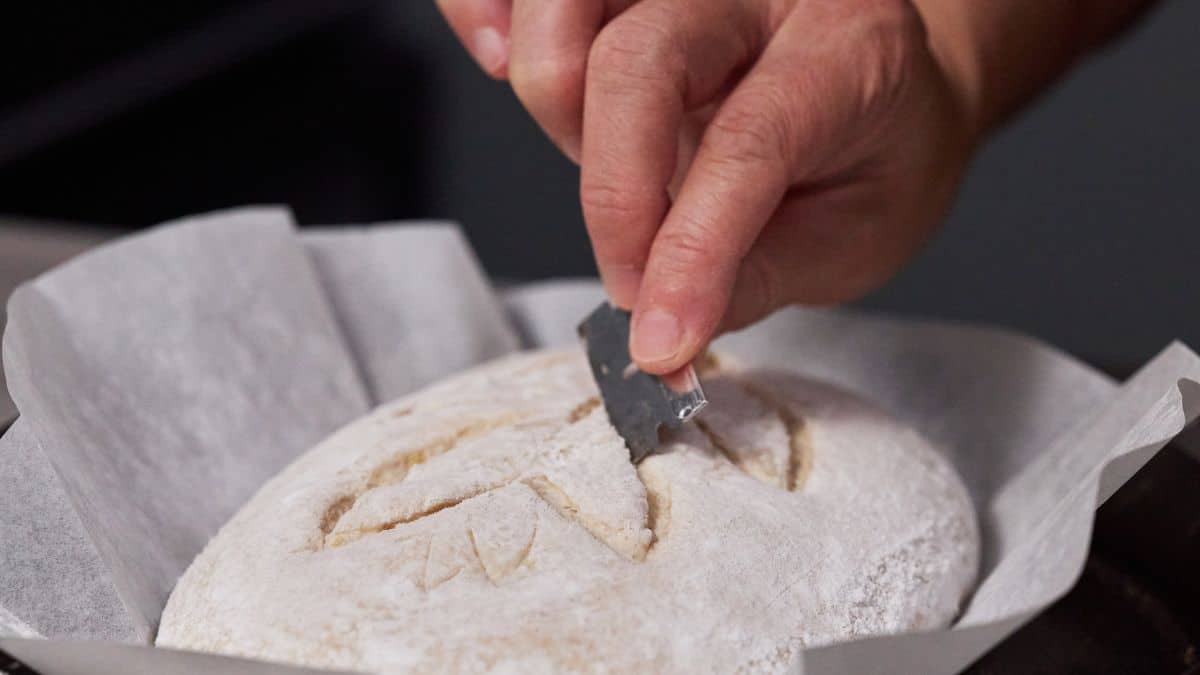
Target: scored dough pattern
[[744, 426], [493, 522]]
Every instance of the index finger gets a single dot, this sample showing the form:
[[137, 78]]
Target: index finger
[[646, 68], [737, 179]]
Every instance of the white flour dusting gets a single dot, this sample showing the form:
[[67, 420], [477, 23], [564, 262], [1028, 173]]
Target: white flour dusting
[[493, 523]]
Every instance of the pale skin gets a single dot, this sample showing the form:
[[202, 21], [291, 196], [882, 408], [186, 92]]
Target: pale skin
[[738, 156]]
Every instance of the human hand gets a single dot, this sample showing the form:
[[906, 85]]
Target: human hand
[[736, 156]]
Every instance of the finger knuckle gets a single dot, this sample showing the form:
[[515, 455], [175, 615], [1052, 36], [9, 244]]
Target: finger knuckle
[[636, 49], [606, 207], [548, 82], [754, 127], [893, 45], [690, 249]]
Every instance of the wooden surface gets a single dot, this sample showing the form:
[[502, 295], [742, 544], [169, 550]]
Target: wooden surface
[[28, 248]]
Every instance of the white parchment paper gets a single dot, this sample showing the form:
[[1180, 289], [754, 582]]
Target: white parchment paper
[[53, 582], [167, 377], [412, 301], [163, 378]]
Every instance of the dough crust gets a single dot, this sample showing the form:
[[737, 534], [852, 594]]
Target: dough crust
[[493, 523]]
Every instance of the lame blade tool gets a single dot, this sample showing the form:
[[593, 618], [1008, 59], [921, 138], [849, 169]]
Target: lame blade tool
[[638, 404]]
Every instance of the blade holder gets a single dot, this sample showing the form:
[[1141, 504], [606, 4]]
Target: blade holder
[[638, 404]]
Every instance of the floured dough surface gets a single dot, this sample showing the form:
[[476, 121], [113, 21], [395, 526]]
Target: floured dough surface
[[493, 523]]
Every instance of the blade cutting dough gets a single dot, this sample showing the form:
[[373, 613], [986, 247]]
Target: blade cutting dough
[[638, 403]]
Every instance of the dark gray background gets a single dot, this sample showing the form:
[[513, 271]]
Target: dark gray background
[[1077, 224]]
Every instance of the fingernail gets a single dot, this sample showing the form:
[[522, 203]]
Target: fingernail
[[490, 49], [656, 336], [622, 283]]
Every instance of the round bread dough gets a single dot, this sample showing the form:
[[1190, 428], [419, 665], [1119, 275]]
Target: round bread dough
[[494, 523]]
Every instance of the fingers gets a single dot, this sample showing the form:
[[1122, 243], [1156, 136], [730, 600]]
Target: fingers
[[550, 43], [646, 68], [811, 110], [483, 28], [736, 180], [831, 246], [738, 176], [819, 248]]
